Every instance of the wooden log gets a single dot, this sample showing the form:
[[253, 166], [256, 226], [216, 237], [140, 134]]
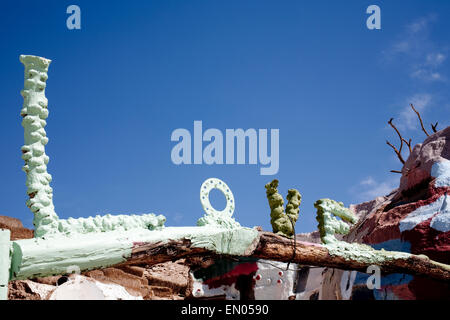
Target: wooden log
[[39, 257], [274, 247], [277, 248]]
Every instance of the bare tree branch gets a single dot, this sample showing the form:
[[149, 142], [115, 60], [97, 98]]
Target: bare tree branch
[[399, 155], [408, 143], [398, 151], [398, 133], [420, 119]]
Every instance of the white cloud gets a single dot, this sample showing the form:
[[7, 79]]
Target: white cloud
[[369, 181], [412, 40], [420, 24], [369, 189], [417, 52], [427, 75], [435, 59], [408, 118], [400, 47], [429, 70]]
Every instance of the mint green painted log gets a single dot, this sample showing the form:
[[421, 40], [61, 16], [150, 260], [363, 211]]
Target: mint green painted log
[[5, 262], [60, 254]]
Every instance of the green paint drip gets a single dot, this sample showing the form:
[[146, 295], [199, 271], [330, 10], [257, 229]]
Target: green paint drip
[[294, 199], [363, 253], [327, 209], [34, 113], [111, 223], [233, 241], [281, 221], [217, 220], [329, 225]]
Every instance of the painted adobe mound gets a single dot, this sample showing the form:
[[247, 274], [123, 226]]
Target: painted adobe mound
[[414, 218]]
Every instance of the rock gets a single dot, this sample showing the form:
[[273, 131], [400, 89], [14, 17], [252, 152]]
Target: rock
[[134, 285], [313, 237], [419, 165], [137, 271], [10, 222], [168, 280], [75, 288], [28, 290], [16, 227], [53, 280], [84, 288], [158, 292], [415, 218], [173, 275]]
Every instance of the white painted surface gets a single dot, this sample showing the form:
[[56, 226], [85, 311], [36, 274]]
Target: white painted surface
[[347, 281], [82, 288], [441, 171], [423, 213], [441, 221], [313, 284], [201, 290], [205, 189], [273, 282], [43, 290]]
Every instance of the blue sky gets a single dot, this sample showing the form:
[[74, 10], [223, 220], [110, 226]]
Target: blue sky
[[137, 70]]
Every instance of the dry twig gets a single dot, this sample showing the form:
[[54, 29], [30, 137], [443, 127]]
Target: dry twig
[[420, 119], [408, 144], [397, 151]]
